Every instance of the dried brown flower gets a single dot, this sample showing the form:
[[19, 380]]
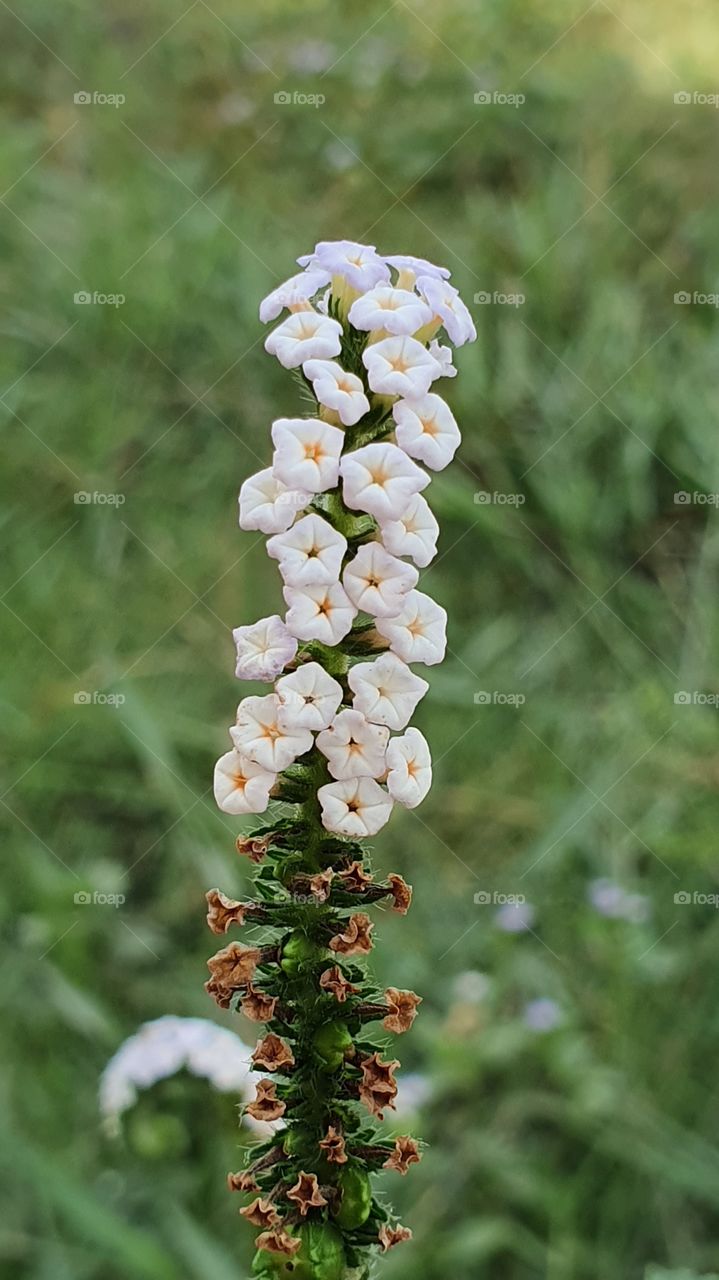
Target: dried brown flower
[[333, 1145], [266, 1106], [221, 995], [261, 1213], [354, 878], [390, 1236], [406, 1152], [321, 883], [273, 1053], [257, 1005], [334, 981], [278, 1241], [356, 937], [378, 1087], [402, 1007], [223, 911], [242, 1181], [234, 966], [306, 1194], [401, 893], [253, 847]]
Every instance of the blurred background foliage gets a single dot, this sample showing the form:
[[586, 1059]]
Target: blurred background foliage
[[574, 1138]]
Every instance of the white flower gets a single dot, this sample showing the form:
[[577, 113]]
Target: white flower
[[358, 807], [400, 367], [310, 552], [447, 305], [381, 479], [354, 748], [409, 764], [343, 392], [307, 453], [419, 632], [359, 264], [443, 356], [268, 505], [319, 612], [257, 734], [414, 534], [308, 698], [377, 582], [419, 266], [386, 691], [264, 649], [242, 785], [396, 310], [426, 429], [293, 294], [305, 335]]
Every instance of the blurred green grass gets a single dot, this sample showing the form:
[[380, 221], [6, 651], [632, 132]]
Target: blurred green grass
[[586, 1152]]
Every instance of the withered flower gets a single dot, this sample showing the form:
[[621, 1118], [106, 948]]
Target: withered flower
[[354, 878], [321, 883], [401, 893], [334, 981], [273, 1053], [261, 1213], [257, 1005], [390, 1236], [253, 847], [278, 1241], [406, 1152], [402, 1007], [242, 1181], [221, 995], [356, 937], [378, 1087], [306, 1194], [223, 911], [333, 1145], [266, 1106], [234, 966]]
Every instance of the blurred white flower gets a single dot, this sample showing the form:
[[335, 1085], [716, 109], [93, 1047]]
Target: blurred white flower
[[259, 736], [268, 505], [241, 785], [380, 479], [610, 899], [319, 612], [400, 367], [409, 764], [414, 533], [357, 807], [264, 648], [386, 692], [414, 1090], [396, 311], [419, 631], [293, 294], [426, 430], [377, 582], [446, 304], [471, 987], [310, 552], [308, 698], [515, 917], [359, 264], [354, 748], [335, 389], [305, 335], [543, 1015], [307, 453]]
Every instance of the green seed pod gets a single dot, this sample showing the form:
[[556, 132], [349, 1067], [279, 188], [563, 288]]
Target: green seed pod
[[355, 1204], [332, 1042], [321, 1256], [297, 951]]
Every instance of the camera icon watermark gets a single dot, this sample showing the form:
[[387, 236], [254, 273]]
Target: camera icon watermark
[[498, 698], [498, 98], [486, 499], [94, 898], [83, 498], [696, 498], [685, 898], [484, 298], [695, 98], [695, 698], [294, 98], [84, 298], [87, 98], [496, 898], [97, 698], [695, 298]]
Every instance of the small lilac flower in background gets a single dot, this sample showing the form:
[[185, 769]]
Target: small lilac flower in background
[[611, 900], [515, 917], [471, 987], [542, 1015]]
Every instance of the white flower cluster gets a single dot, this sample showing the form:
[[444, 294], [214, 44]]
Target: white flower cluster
[[361, 453]]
